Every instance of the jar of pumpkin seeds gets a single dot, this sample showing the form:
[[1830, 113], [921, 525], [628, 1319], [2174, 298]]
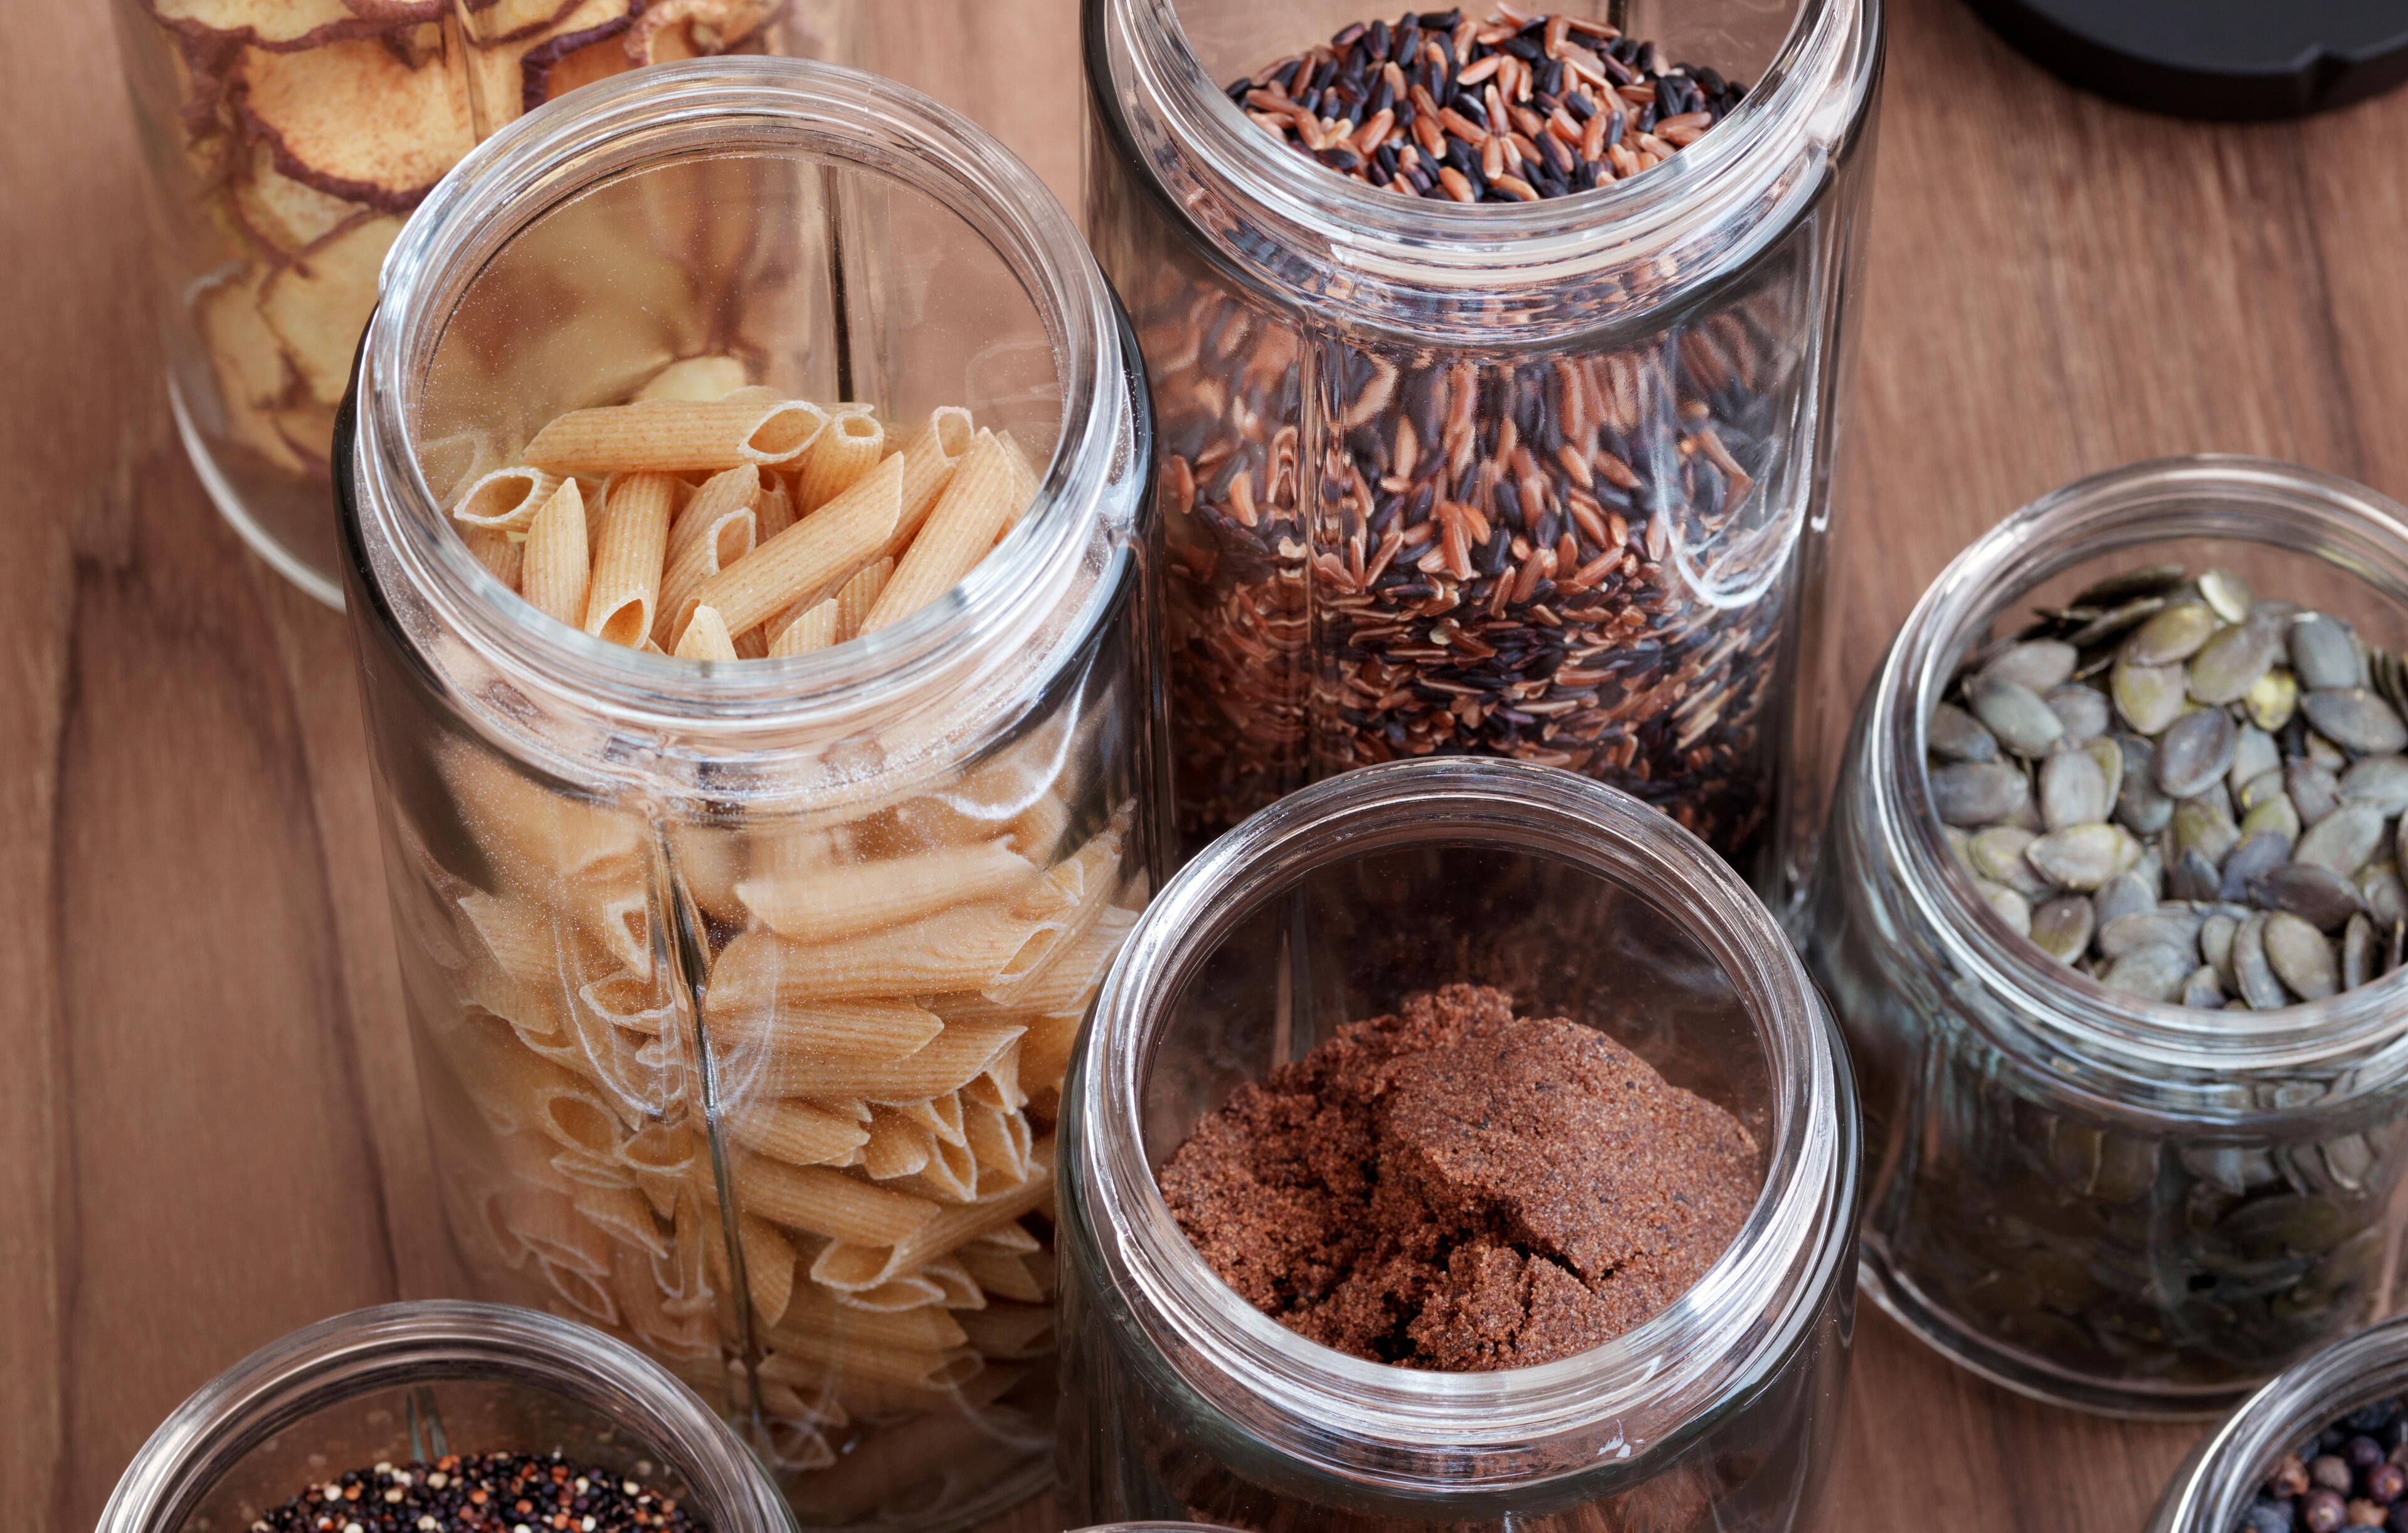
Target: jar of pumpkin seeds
[[2111, 910]]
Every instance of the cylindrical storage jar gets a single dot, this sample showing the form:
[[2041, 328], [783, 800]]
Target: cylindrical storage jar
[[1545, 480], [743, 990], [407, 1384], [1184, 1401], [286, 143], [2213, 1491], [2096, 1197]]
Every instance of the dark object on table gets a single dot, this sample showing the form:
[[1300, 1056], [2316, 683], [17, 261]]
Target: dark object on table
[[2346, 1476], [2235, 60]]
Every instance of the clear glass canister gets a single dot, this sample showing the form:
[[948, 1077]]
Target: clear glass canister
[[411, 1383], [2212, 1492], [1183, 1400], [2094, 1197], [743, 992], [286, 142], [1545, 480]]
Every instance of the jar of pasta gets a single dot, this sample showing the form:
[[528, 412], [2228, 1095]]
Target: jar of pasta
[[1350, 1156], [747, 513], [2135, 1114], [418, 1407], [288, 139], [1499, 352]]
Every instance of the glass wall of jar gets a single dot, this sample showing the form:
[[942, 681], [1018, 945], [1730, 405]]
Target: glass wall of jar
[[2213, 1491], [407, 1384], [2098, 1199], [286, 143], [743, 990], [1540, 479], [1183, 1400]]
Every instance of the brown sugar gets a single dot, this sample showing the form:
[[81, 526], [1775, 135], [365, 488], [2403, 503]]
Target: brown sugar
[[1457, 1188]]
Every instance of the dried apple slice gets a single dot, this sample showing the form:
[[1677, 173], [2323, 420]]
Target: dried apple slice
[[354, 122], [670, 30], [580, 50], [280, 213], [267, 24], [319, 305], [250, 366], [500, 21], [307, 429]]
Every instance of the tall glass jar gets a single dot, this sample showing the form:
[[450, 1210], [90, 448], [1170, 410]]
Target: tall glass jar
[[286, 143], [1181, 1401], [408, 1383], [2212, 1492], [743, 992], [1544, 480], [2096, 1198]]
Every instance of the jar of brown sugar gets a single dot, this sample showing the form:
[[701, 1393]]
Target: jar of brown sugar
[[1716, 1409], [1497, 354]]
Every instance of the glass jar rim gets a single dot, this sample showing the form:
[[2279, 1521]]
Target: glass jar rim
[[1414, 1428], [2221, 1476], [2138, 504], [541, 161], [426, 1341], [1488, 247]]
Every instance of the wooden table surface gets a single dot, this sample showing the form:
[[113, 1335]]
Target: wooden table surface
[[212, 1134]]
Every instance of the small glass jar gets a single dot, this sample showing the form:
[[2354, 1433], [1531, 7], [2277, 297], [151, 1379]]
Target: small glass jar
[[2212, 1489], [1542, 481], [682, 941], [408, 1383], [1181, 1401], [2095, 1198]]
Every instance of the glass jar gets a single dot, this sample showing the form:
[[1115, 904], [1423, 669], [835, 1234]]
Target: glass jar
[[287, 143], [1543, 481], [684, 943], [2212, 1489], [1181, 1401], [408, 1383], [2095, 1198]]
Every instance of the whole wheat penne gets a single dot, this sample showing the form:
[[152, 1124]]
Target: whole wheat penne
[[1024, 481], [949, 1061], [916, 1291], [553, 575], [812, 554], [669, 435], [816, 1312], [768, 1267], [953, 1280], [775, 511], [627, 561], [621, 1214], [941, 1114], [846, 452], [960, 530], [1045, 1051], [1007, 1331], [798, 1133], [804, 1359], [856, 596], [1012, 1237], [705, 637], [517, 932], [963, 948], [717, 527], [948, 1175], [847, 1265], [505, 500], [1001, 1274], [896, 1147], [999, 1138], [554, 1232], [501, 554], [694, 378], [751, 644], [757, 997], [836, 901], [582, 1293], [928, 459], [830, 1203], [813, 628]]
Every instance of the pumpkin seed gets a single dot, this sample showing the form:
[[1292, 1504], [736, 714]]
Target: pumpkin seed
[[2255, 755], [2215, 945], [2109, 757], [2202, 991], [2123, 895], [2259, 789], [2358, 952], [2083, 710], [2255, 857], [2193, 877], [2139, 806], [2203, 825], [2381, 782], [1958, 735], [2146, 581], [2356, 719], [2072, 790], [1998, 855], [2271, 699], [2310, 891], [2149, 697], [2386, 895], [2195, 752], [2342, 841], [2323, 653], [2252, 976], [2170, 925], [2313, 790], [2175, 634], [2155, 972], [2301, 957], [2275, 816], [2077, 857], [2015, 714], [1978, 793], [2228, 594], [2036, 665], [2012, 908], [2062, 928], [2233, 661]]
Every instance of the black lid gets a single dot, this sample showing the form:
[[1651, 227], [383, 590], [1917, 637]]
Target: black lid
[[2230, 60]]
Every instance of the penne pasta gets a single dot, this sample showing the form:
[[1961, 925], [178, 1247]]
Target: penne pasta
[[621, 1214], [753, 1001], [830, 1203], [941, 1114], [856, 596], [812, 554], [950, 1174], [669, 435], [804, 1359], [768, 1267], [837, 901], [813, 628], [717, 527], [998, 1139], [626, 578], [851, 1265], [798, 1133], [502, 555], [914, 1291], [694, 378], [707, 637], [505, 500], [952, 1058], [955, 1281], [1009, 1332], [846, 452], [553, 573], [960, 529], [964, 947], [774, 512], [928, 461], [896, 1147], [1002, 1274], [925, 1327]]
